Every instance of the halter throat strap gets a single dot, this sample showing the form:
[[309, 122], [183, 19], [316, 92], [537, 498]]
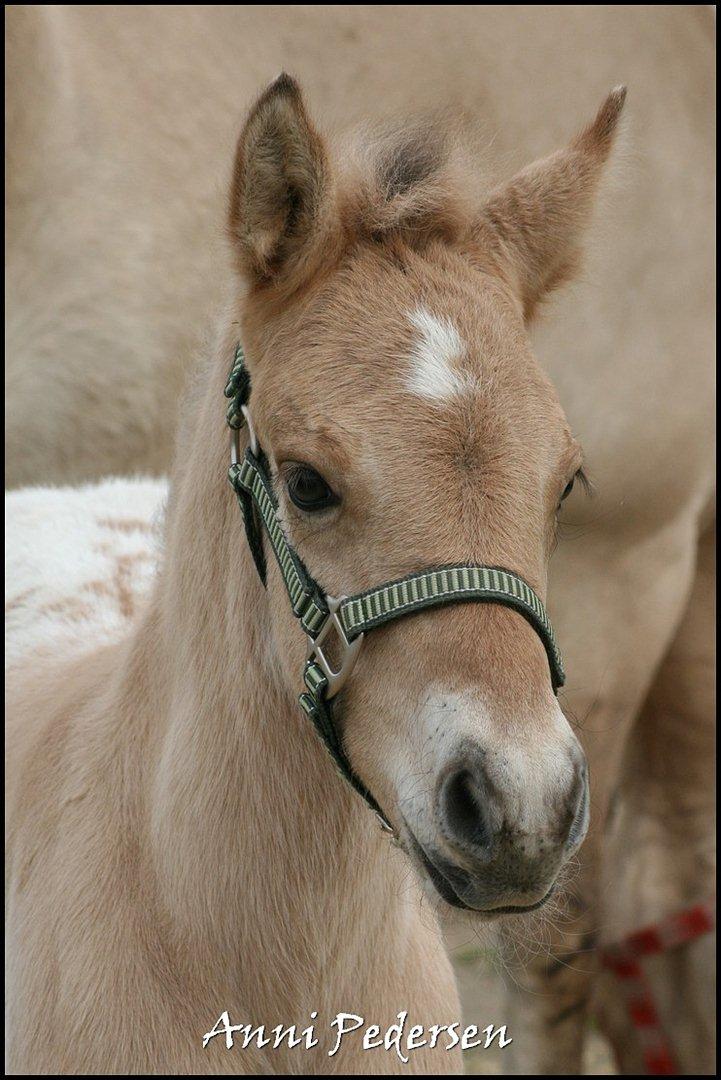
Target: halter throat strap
[[351, 617]]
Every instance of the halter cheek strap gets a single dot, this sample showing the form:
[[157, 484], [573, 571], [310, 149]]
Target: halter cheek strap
[[350, 618]]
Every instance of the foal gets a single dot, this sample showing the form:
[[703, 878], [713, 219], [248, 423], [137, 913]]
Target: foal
[[180, 843]]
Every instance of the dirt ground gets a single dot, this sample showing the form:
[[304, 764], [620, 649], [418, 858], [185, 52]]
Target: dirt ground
[[480, 979]]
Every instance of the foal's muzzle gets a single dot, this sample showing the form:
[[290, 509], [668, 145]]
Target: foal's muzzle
[[483, 859]]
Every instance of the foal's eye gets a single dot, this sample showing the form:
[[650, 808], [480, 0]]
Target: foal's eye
[[307, 489], [566, 491]]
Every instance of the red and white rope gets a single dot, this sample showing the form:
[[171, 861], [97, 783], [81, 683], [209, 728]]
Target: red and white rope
[[624, 960]]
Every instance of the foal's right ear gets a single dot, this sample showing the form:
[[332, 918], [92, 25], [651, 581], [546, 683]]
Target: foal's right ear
[[281, 202]]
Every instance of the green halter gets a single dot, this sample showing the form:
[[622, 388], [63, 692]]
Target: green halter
[[351, 617]]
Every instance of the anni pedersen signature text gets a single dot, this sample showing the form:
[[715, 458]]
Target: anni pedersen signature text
[[401, 1037]]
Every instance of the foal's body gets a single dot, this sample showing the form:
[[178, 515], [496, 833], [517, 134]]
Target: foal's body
[[181, 846], [140, 797]]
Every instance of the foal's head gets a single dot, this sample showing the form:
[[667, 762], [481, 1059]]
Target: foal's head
[[408, 424]]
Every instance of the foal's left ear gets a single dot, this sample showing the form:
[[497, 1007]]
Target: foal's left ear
[[281, 205], [532, 228]]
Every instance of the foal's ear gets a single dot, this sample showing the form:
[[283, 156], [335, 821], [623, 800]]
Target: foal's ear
[[532, 228], [281, 203]]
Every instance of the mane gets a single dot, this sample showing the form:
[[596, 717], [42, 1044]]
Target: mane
[[414, 179]]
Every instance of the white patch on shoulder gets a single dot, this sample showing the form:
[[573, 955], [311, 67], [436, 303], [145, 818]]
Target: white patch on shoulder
[[434, 353]]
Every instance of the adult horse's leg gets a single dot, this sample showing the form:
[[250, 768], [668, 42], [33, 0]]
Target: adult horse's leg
[[665, 818], [549, 998]]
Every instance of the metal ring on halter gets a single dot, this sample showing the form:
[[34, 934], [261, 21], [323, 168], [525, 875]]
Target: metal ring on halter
[[351, 649]]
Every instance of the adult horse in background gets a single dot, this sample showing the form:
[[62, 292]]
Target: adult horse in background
[[116, 153]]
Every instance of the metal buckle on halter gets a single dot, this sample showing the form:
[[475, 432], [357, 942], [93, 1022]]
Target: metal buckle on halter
[[386, 827], [336, 679], [235, 452]]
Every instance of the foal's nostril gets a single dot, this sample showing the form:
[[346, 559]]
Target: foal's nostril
[[464, 809]]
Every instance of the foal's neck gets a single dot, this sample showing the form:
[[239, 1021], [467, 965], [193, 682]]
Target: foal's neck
[[259, 843]]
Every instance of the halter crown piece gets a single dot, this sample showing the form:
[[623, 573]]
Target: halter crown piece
[[351, 617]]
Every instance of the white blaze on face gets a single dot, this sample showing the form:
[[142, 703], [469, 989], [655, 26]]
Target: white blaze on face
[[435, 351]]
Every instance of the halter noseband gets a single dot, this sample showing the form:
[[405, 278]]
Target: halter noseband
[[350, 617]]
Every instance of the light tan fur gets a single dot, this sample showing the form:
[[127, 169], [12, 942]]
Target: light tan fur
[[614, 351]]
